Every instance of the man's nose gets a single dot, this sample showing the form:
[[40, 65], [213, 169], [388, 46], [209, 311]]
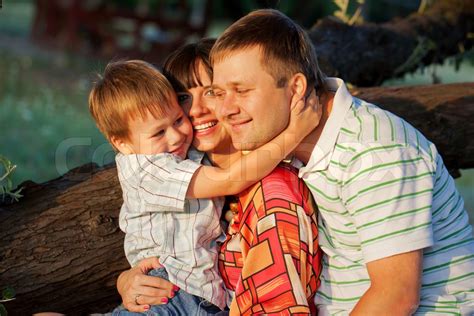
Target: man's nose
[[227, 107]]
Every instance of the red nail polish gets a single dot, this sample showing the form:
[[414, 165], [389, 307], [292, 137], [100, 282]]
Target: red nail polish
[[164, 300], [147, 307], [172, 294], [175, 288]]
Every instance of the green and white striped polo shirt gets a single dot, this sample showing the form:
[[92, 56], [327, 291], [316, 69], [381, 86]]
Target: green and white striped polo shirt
[[382, 189]]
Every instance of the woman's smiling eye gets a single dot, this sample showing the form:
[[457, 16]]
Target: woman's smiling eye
[[218, 92], [183, 98], [209, 93]]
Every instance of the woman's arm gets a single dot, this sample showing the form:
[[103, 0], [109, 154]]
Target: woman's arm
[[134, 286], [210, 181]]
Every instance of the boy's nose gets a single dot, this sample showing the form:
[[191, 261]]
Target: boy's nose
[[175, 136]]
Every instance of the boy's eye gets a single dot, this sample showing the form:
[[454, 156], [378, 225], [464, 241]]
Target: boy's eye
[[159, 133], [179, 121]]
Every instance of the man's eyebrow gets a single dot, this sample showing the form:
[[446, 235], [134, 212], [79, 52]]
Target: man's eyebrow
[[232, 83]]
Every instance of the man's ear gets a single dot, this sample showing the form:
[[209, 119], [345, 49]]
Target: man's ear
[[121, 145], [298, 85]]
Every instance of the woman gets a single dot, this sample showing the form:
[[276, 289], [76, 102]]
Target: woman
[[241, 262]]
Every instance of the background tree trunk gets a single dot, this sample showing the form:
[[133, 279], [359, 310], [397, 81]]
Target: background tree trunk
[[367, 54], [61, 248]]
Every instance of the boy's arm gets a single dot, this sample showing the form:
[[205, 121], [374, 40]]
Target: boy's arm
[[211, 181], [160, 180]]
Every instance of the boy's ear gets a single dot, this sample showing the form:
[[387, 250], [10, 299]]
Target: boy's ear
[[298, 85], [121, 145]]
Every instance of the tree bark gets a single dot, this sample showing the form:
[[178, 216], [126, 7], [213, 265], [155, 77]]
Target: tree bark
[[366, 55], [61, 248]]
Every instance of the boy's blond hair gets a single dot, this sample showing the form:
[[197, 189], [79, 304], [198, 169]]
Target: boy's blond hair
[[128, 90]]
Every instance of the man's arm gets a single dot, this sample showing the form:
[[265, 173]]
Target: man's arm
[[395, 286], [388, 195]]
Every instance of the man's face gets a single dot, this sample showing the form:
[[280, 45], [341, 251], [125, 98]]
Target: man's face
[[253, 109]]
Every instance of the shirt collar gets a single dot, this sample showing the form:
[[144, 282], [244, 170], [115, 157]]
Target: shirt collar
[[322, 152], [195, 155]]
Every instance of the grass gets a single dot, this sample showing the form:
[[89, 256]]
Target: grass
[[46, 126]]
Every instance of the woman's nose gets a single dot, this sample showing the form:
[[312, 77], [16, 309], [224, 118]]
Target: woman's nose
[[198, 107]]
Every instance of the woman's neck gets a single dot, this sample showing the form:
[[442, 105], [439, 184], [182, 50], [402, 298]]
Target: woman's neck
[[224, 157]]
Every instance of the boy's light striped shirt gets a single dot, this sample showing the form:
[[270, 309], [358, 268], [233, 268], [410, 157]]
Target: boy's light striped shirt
[[159, 221], [382, 189]]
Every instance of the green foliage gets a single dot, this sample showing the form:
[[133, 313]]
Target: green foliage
[[424, 4], [8, 294], [43, 105], [6, 184], [3, 310], [343, 12], [423, 47]]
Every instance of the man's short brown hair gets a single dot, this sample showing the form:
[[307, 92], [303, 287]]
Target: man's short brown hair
[[286, 48], [128, 90]]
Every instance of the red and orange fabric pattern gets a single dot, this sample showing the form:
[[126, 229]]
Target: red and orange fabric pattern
[[273, 261]]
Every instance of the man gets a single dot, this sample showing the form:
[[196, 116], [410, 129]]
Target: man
[[392, 224]]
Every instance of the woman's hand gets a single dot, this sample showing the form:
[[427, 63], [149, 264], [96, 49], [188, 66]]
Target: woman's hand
[[139, 291]]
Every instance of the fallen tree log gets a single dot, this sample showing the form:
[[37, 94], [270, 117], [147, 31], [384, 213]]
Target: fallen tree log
[[61, 248], [367, 54]]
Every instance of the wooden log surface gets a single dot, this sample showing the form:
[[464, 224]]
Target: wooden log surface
[[367, 54], [61, 248]]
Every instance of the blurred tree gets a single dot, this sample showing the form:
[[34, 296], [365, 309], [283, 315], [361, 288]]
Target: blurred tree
[[146, 29]]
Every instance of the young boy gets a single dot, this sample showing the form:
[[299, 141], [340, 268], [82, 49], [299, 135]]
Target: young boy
[[136, 109]]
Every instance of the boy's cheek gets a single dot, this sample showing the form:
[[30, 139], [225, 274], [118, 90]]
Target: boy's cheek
[[145, 145]]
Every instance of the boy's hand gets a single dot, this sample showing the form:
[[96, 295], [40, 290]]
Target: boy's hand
[[305, 116]]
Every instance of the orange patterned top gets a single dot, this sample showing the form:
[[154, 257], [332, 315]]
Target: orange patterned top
[[272, 261]]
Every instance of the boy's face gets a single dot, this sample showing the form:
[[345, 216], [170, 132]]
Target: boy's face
[[171, 134], [253, 108]]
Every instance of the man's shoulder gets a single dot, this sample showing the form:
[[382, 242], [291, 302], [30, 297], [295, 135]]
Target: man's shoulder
[[368, 125]]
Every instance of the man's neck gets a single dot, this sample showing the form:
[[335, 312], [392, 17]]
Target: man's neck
[[305, 148]]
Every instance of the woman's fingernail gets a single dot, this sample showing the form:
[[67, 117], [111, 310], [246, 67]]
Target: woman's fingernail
[[172, 294], [164, 300], [175, 288], [146, 307]]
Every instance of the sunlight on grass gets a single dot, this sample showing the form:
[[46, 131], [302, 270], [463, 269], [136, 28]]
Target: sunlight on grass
[[47, 128]]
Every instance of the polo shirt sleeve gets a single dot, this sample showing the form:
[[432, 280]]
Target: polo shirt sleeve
[[387, 190], [161, 180]]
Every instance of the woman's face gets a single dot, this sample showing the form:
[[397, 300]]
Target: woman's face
[[209, 134]]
